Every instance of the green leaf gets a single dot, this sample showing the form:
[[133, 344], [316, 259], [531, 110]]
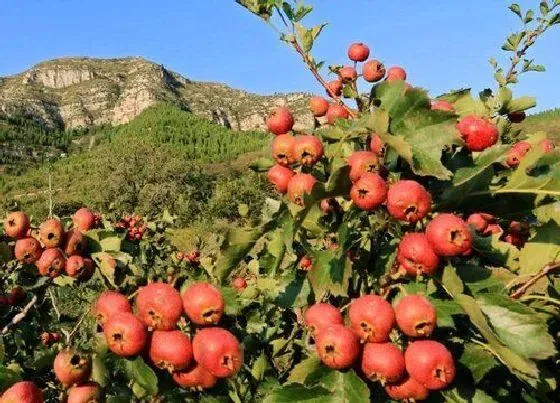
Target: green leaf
[[288, 10], [237, 244], [301, 11], [451, 281], [547, 212], [8, 377], [330, 272], [543, 6], [301, 370], [99, 372], [521, 104], [518, 326], [543, 248], [298, 393], [478, 360], [296, 293], [142, 374], [259, 367], [555, 19], [345, 387], [446, 309], [231, 304], [261, 164], [305, 36], [529, 16], [498, 252], [516, 9]]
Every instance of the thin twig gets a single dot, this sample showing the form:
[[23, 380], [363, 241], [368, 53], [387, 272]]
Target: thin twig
[[51, 295], [540, 274], [75, 329], [20, 316]]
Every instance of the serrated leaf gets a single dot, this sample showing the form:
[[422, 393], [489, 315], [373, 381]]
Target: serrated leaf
[[296, 293], [306, 37], [301, 370], [345, 387], [498, 252], [451, 281], [298, 393], [259, 367], [301, 11], [330, 272], [516, 9], [555, 19], [231, 304], [142, 374], [547, 212], [478, 360], [492, 155], [543, 248], [446, 309], [521, 104]]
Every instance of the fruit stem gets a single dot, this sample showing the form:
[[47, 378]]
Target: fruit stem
[[540, 274]]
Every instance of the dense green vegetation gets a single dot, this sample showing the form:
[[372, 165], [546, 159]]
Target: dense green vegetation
[[548, 121]]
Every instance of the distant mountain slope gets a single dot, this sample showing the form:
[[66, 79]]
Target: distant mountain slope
[[547, 121], [76, 92]]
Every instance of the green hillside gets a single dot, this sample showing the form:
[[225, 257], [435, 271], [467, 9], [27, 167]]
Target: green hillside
[[548, 121], [154, 162]]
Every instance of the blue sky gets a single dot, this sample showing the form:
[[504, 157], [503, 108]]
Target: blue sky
[[442, 44]]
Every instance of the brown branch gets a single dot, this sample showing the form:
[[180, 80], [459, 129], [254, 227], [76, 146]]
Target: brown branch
[[541, 273], [20, 316]]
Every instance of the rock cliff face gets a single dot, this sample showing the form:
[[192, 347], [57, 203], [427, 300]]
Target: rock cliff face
[[78, 92]]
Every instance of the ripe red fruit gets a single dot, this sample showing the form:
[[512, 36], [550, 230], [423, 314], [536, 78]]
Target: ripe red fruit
[[83, 220], [337, 346], [280, 121], [280, 177], [493, 228], [348, 74], [336, 111], [327, 205], [159, 306], [478, 133], [408, 389], [334, 87], [51, 263], [203, 303], [358, 52], [516, 153], [408, 201], [373, 71], [517, 117], [308, 150], [170, 350], [299, 185], [416, 256], [320, 316], [480, 221], [283, 149], [75, 266], [51, 233], [362, 162], [430, 363], [74, 242], [376, 145], [449, 235], [318, 106], [110, 303], [441, 105], [305, 263], [239, 283], [71, 367], [382, 362], [547, 145], [87, 393], [369, 192], [22, 392], [416, 316], [27, 250], [16, 225], [125, 334], [196, 378], [218, 351], [371, 318], [396, 73]]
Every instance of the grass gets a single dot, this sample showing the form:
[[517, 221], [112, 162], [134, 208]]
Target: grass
[[547, 121]]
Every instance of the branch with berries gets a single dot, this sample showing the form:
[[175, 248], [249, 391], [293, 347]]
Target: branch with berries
[[545, 271]]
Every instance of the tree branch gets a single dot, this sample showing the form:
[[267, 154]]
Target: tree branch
[[20, 316], [540, 274]]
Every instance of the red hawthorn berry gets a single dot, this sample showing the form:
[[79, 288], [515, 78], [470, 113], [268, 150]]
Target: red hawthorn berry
[[362, 162], [516, 153], [515, 240], [337, 346], [336, 111], [320, 316], [478, 133], [280, 177], [305, 263], [382, 362], [90, 392], [373, 71], [16, 225], [28, 250], [369, 192], [299, 185], [449, 235], [358, 52], [18, 294], [407, 389], [45, 338], [74, 242], [376, 145], [239, 283], [396, 73], [335, 87], [179, 255], [441, 105], [170, 350], [83, 220], [22, 392], [430, 363], [517, 117], [480, 221], [125, 334], [493, 228], [318, 106], [55, 337], [218, 351], [408, 201], [280, 121], [197, 378], [159, 306], [327, 205], [51, 263], [371, 318], [416, 316], [51, 233], [283, 149], [308, 150], [547, 145], [203, 304], [348, 74], [75, 266], [71, 367]]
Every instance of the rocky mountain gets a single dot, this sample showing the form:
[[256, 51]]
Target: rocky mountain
[[77, 92]]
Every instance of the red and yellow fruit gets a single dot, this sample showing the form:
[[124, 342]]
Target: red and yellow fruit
[[358, 52], [430, 364], [51, 233], [159, 306], [337, 346], [125, 334], [71, 367], [416, 316], [283, 149], [280, 121], [373, 71], [16, 225], [218, 351], [371, 318], [300, 185], [203, 304], [170, 350], [383, 362], [280, 176], [478, 133], [109, 304], [449, 235], [369, 192], [320, 316], [408, 201]]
